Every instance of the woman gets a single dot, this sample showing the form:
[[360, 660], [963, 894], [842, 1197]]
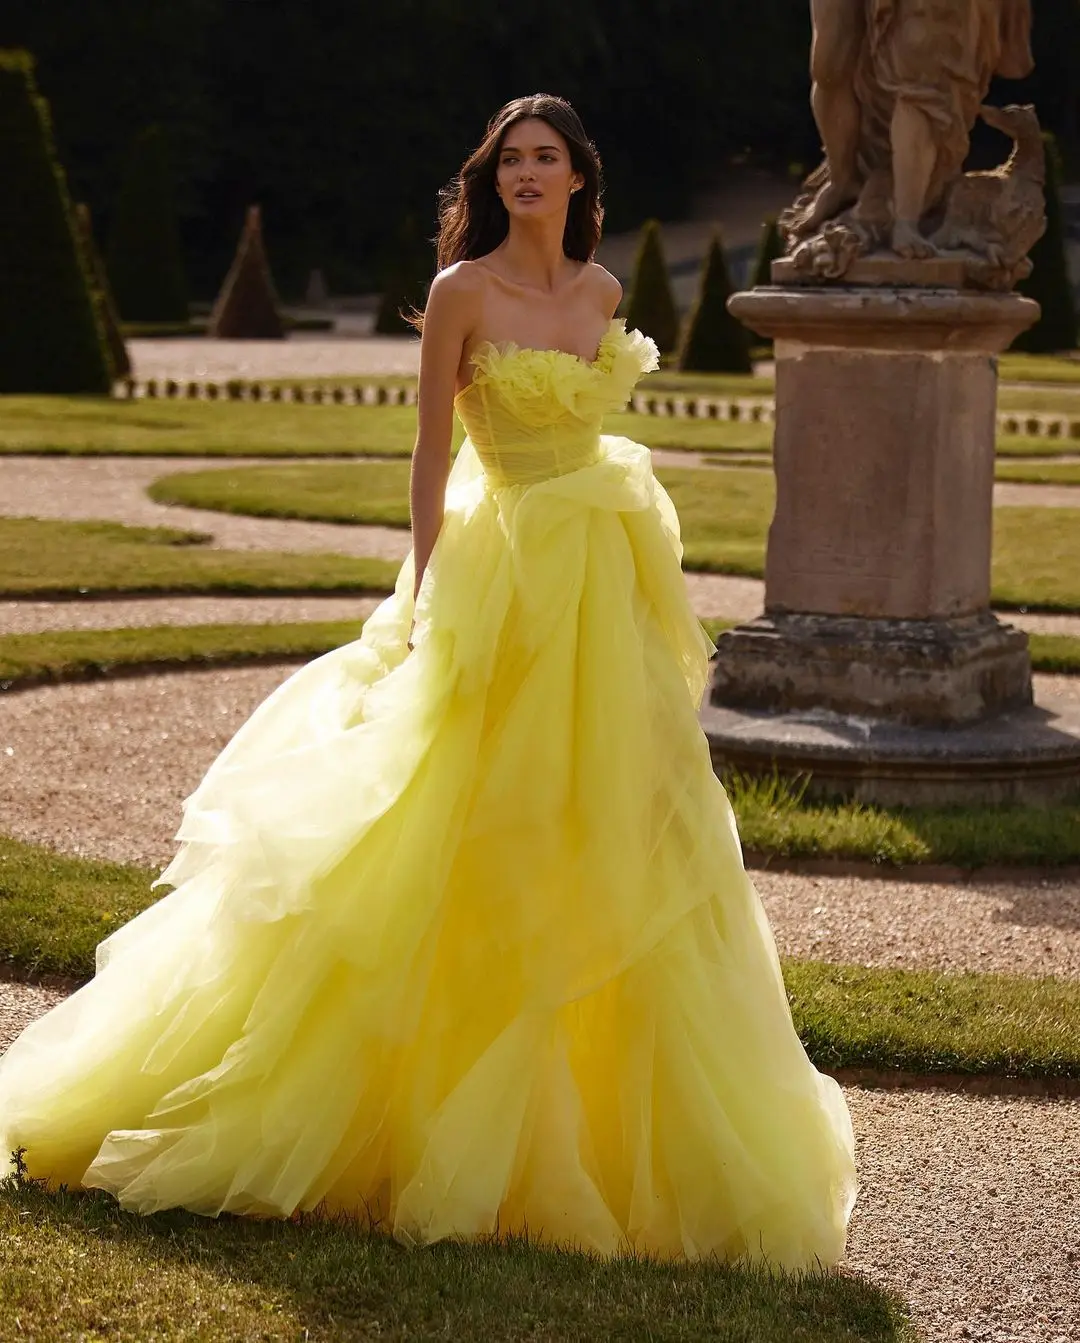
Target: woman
[[460, 937]]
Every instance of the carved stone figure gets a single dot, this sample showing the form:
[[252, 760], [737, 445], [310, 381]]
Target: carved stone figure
[[897, 86]]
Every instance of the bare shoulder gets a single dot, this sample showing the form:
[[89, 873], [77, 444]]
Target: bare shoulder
[[457, 282], [454, 294], [607, 287]]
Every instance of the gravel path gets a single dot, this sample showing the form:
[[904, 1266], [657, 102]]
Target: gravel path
[[36, 617], [101, 768], [714, 597], [1028, 928], [301, 356], [1008, 494], [970, 1209], [19, 1005], [967, 1205], [114, 489]]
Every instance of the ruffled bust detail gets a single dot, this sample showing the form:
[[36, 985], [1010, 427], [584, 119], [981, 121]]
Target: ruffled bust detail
[[539, 386]]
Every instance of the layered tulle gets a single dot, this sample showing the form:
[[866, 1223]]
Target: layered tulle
[[461, 938]]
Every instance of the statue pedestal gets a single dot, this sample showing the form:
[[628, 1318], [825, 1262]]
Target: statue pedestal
[[877, 581]]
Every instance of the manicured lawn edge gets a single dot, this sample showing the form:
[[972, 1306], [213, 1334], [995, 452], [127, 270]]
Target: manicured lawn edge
[[80, 1259], [31, 659], [54, 909], [776, 824], [75, 654]]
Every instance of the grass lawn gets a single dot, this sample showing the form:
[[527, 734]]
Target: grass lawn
[[74, 1266], [66, 654], [97, 425], [725, 516], [51, 558], [1038, 368], [55, 909], [775, 818], [63, 654], [1023, 446], [1043, 473]]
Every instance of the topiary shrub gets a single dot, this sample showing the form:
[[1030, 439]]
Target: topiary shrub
[[50, 337], [1049, 282], [651, 306], [770, 249], [715, 342], [406, 281], [101, 293], [145, 257], [247, 307]]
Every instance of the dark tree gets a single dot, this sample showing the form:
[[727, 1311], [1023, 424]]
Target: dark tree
[[50, 337], [406, 280], [145, 257], [1049, 282], [108, 317], [714, 341], [770, 249], [651, 306], [247, 307]]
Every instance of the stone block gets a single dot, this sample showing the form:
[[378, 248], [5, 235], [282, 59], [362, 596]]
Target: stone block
[[936, 673]]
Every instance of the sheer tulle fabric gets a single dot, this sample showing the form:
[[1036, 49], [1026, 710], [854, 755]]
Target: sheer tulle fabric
[[461, 938]]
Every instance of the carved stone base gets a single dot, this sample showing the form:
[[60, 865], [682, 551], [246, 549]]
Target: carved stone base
[[939, 673], [1028, 756], [945, 271]]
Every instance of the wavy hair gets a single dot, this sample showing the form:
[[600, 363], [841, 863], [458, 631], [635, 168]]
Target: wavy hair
[[473, 220]]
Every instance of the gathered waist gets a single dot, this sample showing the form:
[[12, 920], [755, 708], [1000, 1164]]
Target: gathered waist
[[527, 463]]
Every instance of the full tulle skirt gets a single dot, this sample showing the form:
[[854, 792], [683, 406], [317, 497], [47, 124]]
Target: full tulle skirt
[[460, 938]]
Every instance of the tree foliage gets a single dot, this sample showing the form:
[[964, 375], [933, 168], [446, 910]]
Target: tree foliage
[[343, 119], [145, 259], [101, 292], [247, 307], [770, 249], [1049, 281], [50, 336], [651, 306], [714, 341]]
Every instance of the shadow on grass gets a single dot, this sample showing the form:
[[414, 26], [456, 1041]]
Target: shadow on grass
[[327, 1278]]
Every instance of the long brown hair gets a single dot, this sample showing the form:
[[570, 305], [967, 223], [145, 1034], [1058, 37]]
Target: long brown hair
[[473, 220]]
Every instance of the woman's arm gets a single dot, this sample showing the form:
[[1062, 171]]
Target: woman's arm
[[448, 321]]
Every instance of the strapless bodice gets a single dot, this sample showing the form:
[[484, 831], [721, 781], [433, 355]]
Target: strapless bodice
[[535, 414]]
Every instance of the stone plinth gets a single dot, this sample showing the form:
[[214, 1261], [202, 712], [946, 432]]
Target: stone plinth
[[935, 673], [884, 458], [1026, 756], [889, 270]]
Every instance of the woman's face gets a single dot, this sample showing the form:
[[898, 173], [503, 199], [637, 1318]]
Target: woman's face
[[535, 176]]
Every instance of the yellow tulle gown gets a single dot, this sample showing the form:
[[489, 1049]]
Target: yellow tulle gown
[[461, 938]]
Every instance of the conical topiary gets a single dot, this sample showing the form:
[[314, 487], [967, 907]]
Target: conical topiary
[[50, 336], [651, 307], [108, 317], [1049, 281], [406, 281], [770, 249], [247, 307], [715, 342], [145, 257]]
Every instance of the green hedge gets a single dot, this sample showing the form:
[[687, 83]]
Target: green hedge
[[651, 306], [145, 258], [715, 342], [51, 339], [1049, 282], [247, 307]]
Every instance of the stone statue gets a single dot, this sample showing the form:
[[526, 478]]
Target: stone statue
[[897, 86]]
